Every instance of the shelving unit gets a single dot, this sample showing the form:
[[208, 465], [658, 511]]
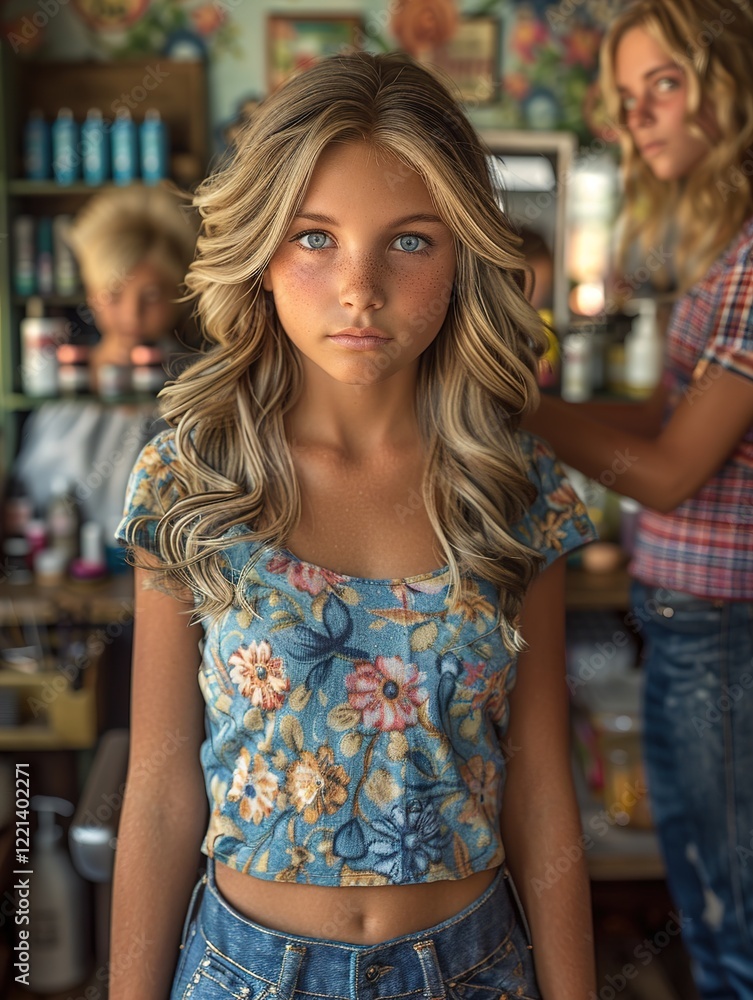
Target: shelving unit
[[176, 89]]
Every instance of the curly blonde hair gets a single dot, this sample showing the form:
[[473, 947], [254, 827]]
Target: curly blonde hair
[[119, 229], [475, 381], [708, 208]]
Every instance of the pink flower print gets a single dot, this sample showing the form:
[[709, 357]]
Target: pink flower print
[[259, 675], [278, 564], [304, 576], [256, 789], [312, 579], [386, 692], [473, 672]]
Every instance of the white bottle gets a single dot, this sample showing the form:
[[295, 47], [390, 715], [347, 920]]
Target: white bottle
[[58, 910], [577, 367], [644, 350], [40, 336]]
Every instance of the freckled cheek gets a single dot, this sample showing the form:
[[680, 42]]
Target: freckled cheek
[[297, 283], [429, 295]]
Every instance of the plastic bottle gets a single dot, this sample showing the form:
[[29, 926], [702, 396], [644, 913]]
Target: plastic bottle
[[124, 139], [577, 367], [66, 159], [65, 268], [58, 906], [63, 518], [24, 261], [154, 147], [40, 336], [92, 565], [45, 282], [37, 154], [644, 350], [95, 144]]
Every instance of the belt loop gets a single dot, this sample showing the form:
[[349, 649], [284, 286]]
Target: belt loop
[[427, 955], [291, 966], [192, 908]]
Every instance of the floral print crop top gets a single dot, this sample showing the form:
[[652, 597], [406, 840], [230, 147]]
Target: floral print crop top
[[355, 732]]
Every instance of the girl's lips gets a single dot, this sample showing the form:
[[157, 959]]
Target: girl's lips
[[651, 147], [360, 338], [359, 343]]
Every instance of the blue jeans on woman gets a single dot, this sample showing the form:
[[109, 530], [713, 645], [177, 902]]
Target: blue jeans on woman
[[481, 952], [698, 748]]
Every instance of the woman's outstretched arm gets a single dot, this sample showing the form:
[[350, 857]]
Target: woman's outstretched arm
[[165, 810], [541, 823], [662, 472]]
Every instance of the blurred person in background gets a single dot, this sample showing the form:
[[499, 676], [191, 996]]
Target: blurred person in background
[[676, 75], [133, 247]]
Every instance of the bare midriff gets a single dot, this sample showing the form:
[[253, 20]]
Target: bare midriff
[[354, 914]]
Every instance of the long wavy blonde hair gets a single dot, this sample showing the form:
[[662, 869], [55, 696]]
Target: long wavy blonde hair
[[475, 381], [712, 41]]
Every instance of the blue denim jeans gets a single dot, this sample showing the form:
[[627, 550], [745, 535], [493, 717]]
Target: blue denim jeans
[[481, 952], [698, 747]]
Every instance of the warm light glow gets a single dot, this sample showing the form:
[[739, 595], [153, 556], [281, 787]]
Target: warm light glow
[[587, 299]]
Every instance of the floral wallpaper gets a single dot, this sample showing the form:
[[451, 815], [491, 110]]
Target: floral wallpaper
[[549, 54], [541, 75]]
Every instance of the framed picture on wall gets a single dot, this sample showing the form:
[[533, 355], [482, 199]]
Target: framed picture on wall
[[471, 58], [294, 40]]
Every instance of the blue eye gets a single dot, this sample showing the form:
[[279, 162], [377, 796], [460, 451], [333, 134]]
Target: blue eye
[[317, 240], [410, 243]]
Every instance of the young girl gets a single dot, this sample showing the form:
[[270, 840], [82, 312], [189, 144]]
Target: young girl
[[370, 552], [677, 75]]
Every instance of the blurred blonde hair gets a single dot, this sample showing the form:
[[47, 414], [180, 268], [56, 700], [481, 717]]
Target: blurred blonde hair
[[475, 380], [708, 208], [118, 229]]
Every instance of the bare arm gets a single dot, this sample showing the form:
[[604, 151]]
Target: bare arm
[[643, 417], [660, 473], [540, 817], [165, 810]]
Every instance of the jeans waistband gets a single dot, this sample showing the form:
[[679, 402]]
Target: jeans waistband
[[681, 598], [395, 967]]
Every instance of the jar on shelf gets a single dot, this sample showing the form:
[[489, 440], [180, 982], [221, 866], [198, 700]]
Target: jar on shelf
[[73, 369], [148, 373], [113, 381], [17, 553], [50, 567]]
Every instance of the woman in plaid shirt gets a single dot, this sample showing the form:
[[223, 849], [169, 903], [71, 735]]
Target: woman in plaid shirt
[[677, 77]]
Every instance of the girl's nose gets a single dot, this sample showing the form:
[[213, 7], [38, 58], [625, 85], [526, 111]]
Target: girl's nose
[[362, 286]]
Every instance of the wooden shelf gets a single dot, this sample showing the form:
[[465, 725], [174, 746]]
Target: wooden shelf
[[18, 401], [53, 299], [588, 591], [97, 603], [51, 189], [37, 737]]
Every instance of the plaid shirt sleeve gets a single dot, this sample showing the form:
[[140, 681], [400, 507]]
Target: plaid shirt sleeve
[[731, 342]]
